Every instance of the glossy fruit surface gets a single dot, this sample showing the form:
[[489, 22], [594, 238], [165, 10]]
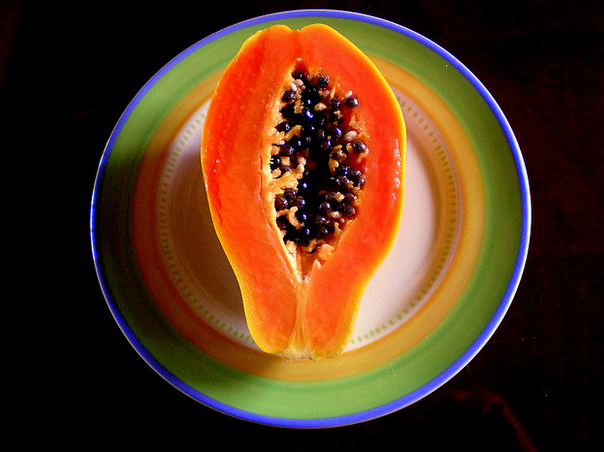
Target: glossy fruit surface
[[303, 161]]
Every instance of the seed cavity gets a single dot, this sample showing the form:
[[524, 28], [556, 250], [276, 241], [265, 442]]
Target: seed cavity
[[316, 162]]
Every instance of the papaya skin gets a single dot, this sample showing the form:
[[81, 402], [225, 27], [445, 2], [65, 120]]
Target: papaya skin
[[299, 305]]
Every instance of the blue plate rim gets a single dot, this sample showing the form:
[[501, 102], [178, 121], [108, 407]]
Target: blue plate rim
[[429, 387]]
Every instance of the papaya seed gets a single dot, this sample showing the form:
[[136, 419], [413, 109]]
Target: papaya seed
[[312, 144]]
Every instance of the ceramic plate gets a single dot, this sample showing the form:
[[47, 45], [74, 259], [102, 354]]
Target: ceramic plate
[[432, 305]]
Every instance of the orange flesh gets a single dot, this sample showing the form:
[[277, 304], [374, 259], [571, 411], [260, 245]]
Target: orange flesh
[[296, 304]]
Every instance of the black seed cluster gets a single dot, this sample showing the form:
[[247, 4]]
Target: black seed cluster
[[324, 150]]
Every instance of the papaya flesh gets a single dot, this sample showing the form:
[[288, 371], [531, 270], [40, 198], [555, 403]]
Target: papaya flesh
[[303, 161]]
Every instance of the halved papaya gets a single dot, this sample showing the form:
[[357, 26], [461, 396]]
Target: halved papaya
[[303, 161]]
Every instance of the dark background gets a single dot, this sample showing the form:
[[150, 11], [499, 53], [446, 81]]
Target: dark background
[[67, 72]]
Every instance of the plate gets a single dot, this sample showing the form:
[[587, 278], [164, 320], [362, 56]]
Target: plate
[[436, 300]]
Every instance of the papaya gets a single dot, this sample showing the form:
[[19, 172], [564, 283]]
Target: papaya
[[302, 156]]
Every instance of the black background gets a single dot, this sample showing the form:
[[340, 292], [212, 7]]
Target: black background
[[68, 70]]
